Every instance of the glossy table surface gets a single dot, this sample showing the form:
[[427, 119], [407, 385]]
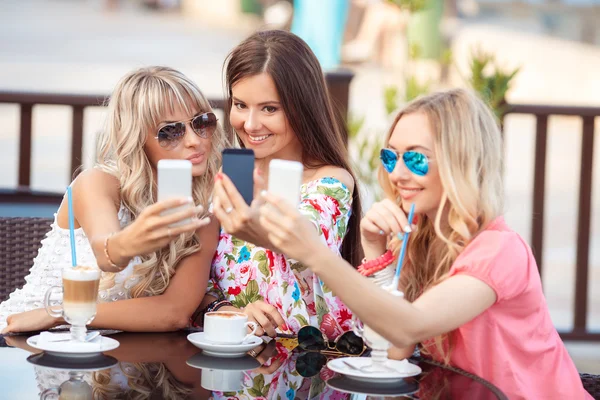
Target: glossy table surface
[[167, 365]]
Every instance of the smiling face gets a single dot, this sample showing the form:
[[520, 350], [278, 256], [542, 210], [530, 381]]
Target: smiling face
[[260, 121], [191, 147], [413, 132]]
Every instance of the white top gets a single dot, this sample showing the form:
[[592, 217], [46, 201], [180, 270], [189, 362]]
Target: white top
[[52, 257]]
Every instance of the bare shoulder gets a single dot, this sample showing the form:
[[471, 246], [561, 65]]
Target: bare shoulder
[[338, 173], [94, 181]]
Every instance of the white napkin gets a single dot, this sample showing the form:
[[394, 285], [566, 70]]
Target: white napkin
[[60, 342]]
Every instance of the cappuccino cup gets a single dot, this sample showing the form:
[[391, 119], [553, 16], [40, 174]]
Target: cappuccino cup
[[79, 296], [228, 327], [222, 380]]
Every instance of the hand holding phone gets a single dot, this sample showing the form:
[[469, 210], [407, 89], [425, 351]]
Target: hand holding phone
[[175, 181], [285, 179], [238, 165]]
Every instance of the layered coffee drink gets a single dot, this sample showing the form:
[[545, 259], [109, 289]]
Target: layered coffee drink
[[80, 293]]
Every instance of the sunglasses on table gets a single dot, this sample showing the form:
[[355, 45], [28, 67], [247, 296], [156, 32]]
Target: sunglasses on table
[[310, 363], [314, 348], [348, 343], [170, 135], [416, 162]]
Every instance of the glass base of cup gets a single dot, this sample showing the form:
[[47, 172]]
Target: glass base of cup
[[379, 359], [78, 333]]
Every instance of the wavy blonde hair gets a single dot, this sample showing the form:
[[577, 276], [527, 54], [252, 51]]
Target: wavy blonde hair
[[139, 102], [468, 154], [144, 380]]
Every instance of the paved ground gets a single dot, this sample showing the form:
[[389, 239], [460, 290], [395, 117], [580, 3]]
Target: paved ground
[[77, 47]]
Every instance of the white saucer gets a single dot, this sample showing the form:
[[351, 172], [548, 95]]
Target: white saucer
[[398, 369], [74, 349], [203, 361], [224, 350], [396, 388], [96, 362]]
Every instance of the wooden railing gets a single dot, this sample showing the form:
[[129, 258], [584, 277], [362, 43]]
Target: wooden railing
[[587, 115], [339, 88], [338, 83]]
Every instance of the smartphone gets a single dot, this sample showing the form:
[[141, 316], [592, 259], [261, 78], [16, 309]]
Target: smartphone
[[175, 180], [238, 165], [285, 179]]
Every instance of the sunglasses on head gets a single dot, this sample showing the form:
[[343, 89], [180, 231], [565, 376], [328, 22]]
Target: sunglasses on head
[[348, 343], [170, 135], [416, 162]]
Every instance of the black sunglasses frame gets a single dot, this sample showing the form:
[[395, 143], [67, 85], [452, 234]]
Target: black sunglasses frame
[[308, 340], [208, 123]]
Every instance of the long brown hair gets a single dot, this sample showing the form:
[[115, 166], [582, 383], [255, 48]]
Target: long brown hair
[[307, 105]]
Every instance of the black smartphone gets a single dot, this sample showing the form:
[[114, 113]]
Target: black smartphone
[[238, 165]]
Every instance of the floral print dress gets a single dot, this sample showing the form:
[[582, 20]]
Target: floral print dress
[[283, 384], [244, 273]]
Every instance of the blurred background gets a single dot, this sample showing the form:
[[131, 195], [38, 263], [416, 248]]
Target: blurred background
[[535, 61]]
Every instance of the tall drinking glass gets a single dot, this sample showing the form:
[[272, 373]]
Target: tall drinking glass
[[378, 344], [80, 294]]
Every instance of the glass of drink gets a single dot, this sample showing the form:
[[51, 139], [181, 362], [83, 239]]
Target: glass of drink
[[73, 389], [378, 344], [80, 294]]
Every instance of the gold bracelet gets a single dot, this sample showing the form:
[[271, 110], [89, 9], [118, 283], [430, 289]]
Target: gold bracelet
[[110, 262]]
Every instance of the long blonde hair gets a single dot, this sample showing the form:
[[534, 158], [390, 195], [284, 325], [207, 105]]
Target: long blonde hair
[[468, 153], [139, 102], [144, 381]]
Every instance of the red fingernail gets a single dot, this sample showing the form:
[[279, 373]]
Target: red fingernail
[[218, 177], [415, 219]]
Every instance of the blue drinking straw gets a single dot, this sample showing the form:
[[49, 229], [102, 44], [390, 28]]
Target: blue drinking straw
[[71, 226], [403, 250]]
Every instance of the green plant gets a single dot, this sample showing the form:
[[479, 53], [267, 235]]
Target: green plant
[[411, 5], [490, 81], [415, 89], [364, 149]]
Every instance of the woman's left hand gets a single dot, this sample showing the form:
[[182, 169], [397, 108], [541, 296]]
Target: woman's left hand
[[236, 217], [288, 229], [28, 321]]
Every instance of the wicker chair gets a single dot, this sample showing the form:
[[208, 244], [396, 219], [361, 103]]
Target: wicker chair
[[591, 383], [19, 243]]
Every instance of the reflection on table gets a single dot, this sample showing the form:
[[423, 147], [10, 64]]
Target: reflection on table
[[168, 366]]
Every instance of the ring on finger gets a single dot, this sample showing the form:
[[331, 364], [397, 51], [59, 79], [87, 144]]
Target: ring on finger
[[255, 352], [228, 210], [381, 232]]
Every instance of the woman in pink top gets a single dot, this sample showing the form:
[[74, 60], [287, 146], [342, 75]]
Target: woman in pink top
[[473, 295]]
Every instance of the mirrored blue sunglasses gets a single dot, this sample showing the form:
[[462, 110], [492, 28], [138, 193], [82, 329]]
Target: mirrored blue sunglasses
[[416, 162]]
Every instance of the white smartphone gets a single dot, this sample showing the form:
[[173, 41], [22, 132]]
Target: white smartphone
[[285, 179], [175, 180]]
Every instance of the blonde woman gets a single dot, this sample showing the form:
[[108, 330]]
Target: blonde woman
[[473, 295], [154, 113]]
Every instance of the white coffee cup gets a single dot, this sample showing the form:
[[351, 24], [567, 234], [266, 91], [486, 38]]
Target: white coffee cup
[[222, 380], [228, 327]]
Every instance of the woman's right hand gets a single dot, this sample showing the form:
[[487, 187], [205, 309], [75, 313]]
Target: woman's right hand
[[265, 315], [385, 218], [151, 231]]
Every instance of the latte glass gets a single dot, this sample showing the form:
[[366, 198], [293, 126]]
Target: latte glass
[[79, 297]]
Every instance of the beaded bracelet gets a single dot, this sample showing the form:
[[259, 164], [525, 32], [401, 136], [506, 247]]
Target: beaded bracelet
[[213, 306], [368, 268], [217, 306], [110, 262]]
